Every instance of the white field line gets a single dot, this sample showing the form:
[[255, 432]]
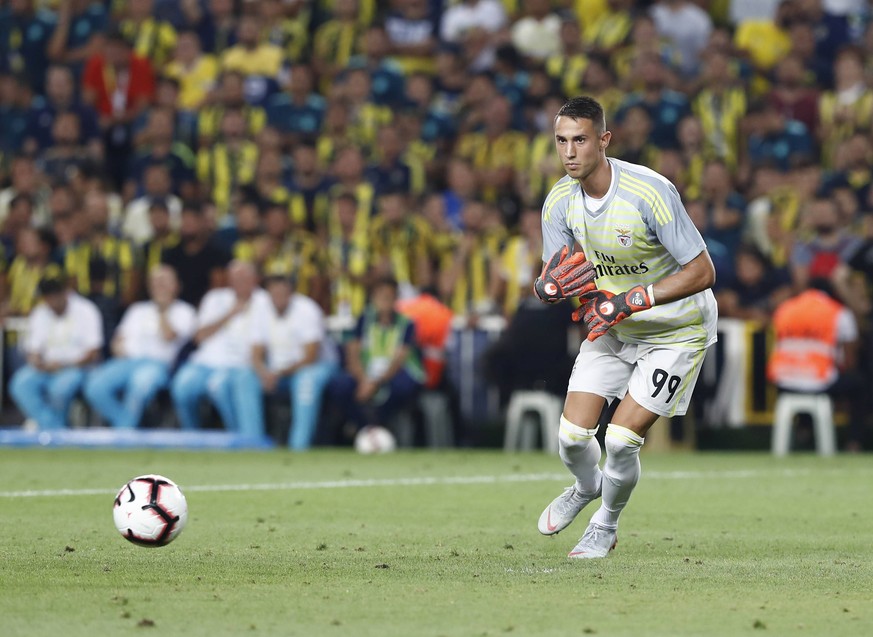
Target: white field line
[[419, 482]]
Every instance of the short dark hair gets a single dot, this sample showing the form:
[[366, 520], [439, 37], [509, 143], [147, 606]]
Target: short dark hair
[[584, 108], [52, 282], [386, 281]]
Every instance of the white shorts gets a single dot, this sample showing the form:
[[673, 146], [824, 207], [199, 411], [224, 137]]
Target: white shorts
[[659, 378]]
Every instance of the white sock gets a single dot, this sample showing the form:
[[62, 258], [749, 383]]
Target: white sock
[[621, 472], [580, 452]]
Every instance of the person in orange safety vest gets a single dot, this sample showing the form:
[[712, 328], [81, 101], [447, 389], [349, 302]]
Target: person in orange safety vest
[[816, 350]]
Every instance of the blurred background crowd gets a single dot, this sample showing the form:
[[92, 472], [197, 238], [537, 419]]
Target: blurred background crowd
[[343, 142]]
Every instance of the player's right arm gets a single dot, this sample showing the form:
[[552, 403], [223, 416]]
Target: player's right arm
[[564, 273]]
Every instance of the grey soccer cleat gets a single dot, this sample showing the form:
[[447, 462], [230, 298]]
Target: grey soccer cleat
[[564, 510], [596, 542]]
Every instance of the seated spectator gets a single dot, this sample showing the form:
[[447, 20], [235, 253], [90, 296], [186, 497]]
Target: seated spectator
[[24, 33], [158, 189], [412, 34], [773, 139], [817, 351], [64, 338], [309, 186], [259, 61], [165, 235], [610, 30], [151, 37], [830, 245], [114, 66], [197, 258], [231, 321], [633, 138], [195, 71], [398, 244], [520, 263], [287, 25], [78, 33], [848, 108], [298, 111], [666, 107], [537, 34], [67, 155], [720, 106], [32, 261], [466, 273], [757, 289], [335, 42], [230, 95], [474, 24], [686, 26], [726, 208], [383, 372], [157, 146], [389, 172], [792, 94], [25, 181], [14, 102], [348, 259], [388, 76], [227, 164], [297, 358], [144, 347], [60, 97]]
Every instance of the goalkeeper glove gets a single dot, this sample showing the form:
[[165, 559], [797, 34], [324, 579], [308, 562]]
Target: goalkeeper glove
[[564, 277], [601, 309]]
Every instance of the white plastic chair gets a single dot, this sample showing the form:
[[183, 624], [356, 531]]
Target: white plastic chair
[[821, 410], [547, 407]]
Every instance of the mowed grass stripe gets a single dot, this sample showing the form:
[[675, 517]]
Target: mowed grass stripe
[[429, 481]]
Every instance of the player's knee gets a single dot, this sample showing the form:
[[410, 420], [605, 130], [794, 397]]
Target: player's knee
[[622, 442], [571, 435]]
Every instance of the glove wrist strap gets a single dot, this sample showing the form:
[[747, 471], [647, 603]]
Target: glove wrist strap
[[650, 292]]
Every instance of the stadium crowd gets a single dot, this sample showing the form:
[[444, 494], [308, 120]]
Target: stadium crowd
[[330, 146]]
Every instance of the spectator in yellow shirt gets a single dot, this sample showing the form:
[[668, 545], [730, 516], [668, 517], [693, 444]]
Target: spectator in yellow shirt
[[230, 96], [399, 244], [225, 166], [250, 56], [498, 153], [336, 41], [150, 38], [195, 71]]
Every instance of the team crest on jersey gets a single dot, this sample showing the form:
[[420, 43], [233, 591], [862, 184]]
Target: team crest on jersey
[[624, 237]]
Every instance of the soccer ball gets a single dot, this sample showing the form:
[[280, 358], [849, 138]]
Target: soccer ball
[[374, 439], [150, 511]]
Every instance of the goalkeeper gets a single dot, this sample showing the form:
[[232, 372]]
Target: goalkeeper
[[642, 278]]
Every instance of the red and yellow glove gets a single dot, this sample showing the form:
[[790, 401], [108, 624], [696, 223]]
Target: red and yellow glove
[[601, 309], [565, 277]]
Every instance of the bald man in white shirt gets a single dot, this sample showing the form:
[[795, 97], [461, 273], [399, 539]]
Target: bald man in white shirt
[[230, 322], [145, 345]]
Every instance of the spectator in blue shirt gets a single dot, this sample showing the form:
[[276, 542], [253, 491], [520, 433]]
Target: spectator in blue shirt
[[387, 78], [60, 97], [78, 33], [24, 37], [298, 111], [665, 107], [13, 114], [775, 140]]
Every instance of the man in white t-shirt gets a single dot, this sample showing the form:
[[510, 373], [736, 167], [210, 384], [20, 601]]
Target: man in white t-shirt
[[230, 322], [64, 337], [297, 357], [145, 345]]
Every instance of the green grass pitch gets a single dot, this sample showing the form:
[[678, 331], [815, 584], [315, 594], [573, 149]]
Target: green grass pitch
[[428, 544]]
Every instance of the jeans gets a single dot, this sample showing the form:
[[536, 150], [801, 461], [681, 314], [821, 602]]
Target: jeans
[[396, 394], [122, 388], [305, 387], [46, 396], [235, 392]]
